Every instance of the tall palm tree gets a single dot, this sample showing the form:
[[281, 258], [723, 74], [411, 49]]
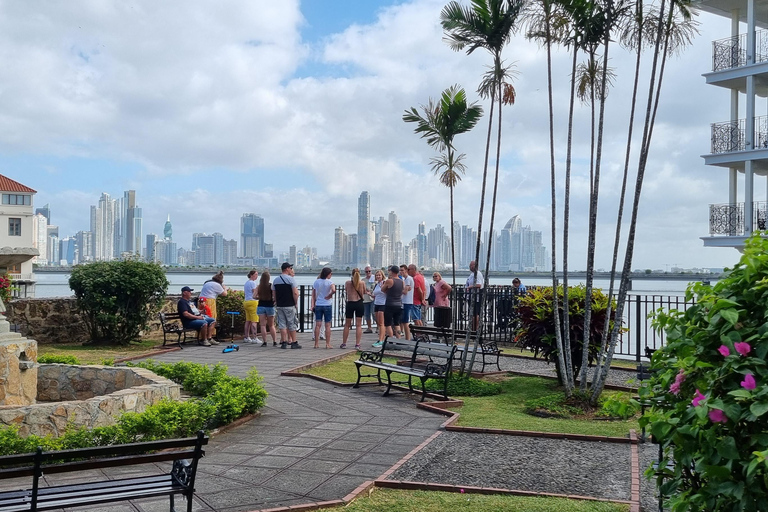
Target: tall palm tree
[[439, 124], [488, 25]]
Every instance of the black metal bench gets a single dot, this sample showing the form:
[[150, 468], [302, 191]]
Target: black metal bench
[[413, 368], [173, 326], [180, 479], [489, 350]]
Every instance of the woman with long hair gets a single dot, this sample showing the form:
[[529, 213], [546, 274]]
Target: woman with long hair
[[379, 300], [208, 293], [266, 309], [323, 290], [355, 289], [442, 303], [393, 306], [250, 305]]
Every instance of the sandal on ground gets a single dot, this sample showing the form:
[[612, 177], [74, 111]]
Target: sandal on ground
[[328, 346]]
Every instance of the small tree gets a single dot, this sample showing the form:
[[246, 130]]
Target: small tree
[[118, 298], [711, 383]]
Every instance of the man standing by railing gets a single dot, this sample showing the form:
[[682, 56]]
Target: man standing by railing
[[286, 296], [419, 294], [369, 281], [473, 287]]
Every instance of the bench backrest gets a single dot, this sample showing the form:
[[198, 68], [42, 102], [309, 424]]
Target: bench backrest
[[169, 317], [442, 333], [392, 344], [436, 350]]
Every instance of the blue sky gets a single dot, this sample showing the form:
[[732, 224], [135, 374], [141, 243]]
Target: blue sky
[[290, 109]]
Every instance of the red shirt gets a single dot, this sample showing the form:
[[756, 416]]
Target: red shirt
[[418, 284]]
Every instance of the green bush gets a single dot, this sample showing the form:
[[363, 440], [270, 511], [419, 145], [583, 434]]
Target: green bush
[[711, 385], [465, 386], [118, 298], [537, 325], [219, 399], [618, 405], [557, 405], [57, 359], [232, 302]]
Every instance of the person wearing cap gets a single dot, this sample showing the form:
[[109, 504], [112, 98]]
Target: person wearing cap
[[286, 296], [191, 317]]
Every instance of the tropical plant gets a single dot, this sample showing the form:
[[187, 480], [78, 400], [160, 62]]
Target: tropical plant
[[710, 384], [6, 288], [486, 24], [233, 301], [118, 298], [439, 124], [537, 327]]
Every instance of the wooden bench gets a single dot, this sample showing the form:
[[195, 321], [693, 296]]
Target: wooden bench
[[173, 326], [489, 350], [413, 368], [180, 479]]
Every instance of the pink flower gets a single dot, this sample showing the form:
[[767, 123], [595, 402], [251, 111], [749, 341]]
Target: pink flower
[[742, 348], [462, 491], [674, 388], [717, 416], [749, 382], [698, 398], [725, 351], [679, 379]]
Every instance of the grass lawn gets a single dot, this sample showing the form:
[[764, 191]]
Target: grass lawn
[[96, 354], [615, 363], [344, 369], [392, 500], [507, 411]]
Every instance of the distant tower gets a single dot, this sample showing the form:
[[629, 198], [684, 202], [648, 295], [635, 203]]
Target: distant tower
[[364, 239], [168, 229]]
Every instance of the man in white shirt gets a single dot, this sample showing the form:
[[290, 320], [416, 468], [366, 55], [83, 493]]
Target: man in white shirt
[[407, 301], [473, 288], [370, 280]]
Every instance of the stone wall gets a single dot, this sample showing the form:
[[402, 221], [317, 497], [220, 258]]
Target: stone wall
[[57, 320], [58, 382], [52, 418]]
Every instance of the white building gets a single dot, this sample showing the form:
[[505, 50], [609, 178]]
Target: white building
[[739, 144], [40, 238], [17, 234]]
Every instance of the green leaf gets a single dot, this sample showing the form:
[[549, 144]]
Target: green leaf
[[727, 448], [759, 408], [661, 429], [740, 393], [730, 315], [719, 472]]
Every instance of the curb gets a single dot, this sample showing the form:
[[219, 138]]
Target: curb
[[634, 468], [147, 354]]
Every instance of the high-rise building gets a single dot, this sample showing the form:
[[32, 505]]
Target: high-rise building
[[420, 246], [52, 242], [364, 229], [131, 224], [68, 250], [292, 255], [252, 235], [166, 252], [84, 241], [40, 238], [168, 229], [393, 232], [229, 253], [103, 228], [45, 211], [340, 243], [150, 247], [205, 254]]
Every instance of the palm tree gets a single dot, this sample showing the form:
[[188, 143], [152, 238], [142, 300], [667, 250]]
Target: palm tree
[[486, 24], [439, 124]]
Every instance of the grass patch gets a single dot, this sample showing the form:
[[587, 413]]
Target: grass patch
[[615, 363], [343, 370], [508, 410], [88, 353], [393, 500]]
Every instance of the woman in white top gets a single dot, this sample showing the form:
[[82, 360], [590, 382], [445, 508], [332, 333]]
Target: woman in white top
[[323, 291], [210, 290], [379, 301]]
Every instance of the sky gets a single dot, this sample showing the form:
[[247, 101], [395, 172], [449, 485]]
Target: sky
[[290, 109]]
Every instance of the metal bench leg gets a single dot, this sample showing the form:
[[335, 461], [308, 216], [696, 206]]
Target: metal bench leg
[[389, 382], [173, 505], [423, 388], [357, 384]]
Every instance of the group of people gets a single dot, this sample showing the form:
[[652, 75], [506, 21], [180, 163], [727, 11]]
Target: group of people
[[264, 302], [393, 300]]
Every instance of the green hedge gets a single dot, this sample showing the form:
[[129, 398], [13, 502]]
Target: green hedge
[[218, 399]]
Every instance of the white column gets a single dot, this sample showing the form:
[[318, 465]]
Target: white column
[[749, 177]]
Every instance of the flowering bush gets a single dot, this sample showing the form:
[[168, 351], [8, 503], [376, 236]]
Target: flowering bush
[[6, 288], [711, 386]]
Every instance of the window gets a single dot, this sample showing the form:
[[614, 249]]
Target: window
[[17, 199], [14, 227]]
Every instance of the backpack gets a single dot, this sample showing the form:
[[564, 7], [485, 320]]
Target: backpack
[[431, 298]]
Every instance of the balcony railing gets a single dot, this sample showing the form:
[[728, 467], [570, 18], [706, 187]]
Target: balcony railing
[[730, 136], [728, 219], [731, 52]]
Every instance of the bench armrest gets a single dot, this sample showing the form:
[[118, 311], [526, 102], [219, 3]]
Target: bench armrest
[[370, 357]]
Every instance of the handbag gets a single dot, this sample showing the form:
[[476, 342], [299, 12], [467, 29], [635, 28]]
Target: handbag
[[431, 297]]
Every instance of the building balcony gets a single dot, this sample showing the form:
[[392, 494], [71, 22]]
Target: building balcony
[[729, 63], [730, 147], [727, 223]]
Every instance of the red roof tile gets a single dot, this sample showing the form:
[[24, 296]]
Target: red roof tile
[[9, 185]]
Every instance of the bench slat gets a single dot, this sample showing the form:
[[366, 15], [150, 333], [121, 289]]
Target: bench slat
[[68, 467]]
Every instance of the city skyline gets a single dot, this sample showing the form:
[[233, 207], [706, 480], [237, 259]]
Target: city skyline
[[290, 112]]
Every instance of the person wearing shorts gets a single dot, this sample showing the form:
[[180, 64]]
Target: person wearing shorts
[[286, 296], [210, 291], [369, 281], [266, 309], [474, 288], [393, 305], [419, 294], [408, 310], [323, 291], [379, 301], [355, 290], [250, 305], [191, 318]]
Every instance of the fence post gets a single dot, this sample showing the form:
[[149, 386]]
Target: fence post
[[637, 329], [301, 308]]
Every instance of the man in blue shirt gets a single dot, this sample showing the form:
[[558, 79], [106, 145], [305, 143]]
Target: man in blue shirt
[[191, 318]]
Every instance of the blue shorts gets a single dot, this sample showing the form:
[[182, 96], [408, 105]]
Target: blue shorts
[[368, 310], [198, 323], [410, 312], [265, 310], [323, 312]]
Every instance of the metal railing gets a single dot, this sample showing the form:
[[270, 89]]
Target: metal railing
[[731, 52], [730, 136], [729, 219]]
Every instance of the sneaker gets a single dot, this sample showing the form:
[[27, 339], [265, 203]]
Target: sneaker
[[274, 343], [295, 345], [322, 337], [283, 344], [358, 347], [378, 344], [368, 331], [343, 345], [260, 343], [247, 340], [214, 342], [204, 343]]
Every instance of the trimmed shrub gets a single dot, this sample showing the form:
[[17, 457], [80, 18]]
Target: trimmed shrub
[[537, 325], [232, 302], [57, 359], [118, 298], [710, 383]]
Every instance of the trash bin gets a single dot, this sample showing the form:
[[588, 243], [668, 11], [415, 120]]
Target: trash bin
[[442, 316]]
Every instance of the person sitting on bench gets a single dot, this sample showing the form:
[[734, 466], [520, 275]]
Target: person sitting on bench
[[191, 318]]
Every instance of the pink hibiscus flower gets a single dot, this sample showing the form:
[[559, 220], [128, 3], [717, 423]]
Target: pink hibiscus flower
[[698, 398], [742, 348], [717, 416], [725, 351], [749, 382]]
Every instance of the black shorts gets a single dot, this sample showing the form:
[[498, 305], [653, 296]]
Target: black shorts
[[354, 309], [378, 308], [392, 315], [477, 308]]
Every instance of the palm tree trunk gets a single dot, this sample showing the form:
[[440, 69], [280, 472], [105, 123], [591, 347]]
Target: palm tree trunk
[[453, 273]]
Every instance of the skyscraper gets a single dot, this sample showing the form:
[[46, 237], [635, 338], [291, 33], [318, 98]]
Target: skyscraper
[[252, 235], [364, 238], [131, 223], [150, 251], [40, 238], [168, 229], [103, 228]]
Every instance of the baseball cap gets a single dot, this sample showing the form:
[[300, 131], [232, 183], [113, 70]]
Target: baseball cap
[[187, 289], [285, 266]]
